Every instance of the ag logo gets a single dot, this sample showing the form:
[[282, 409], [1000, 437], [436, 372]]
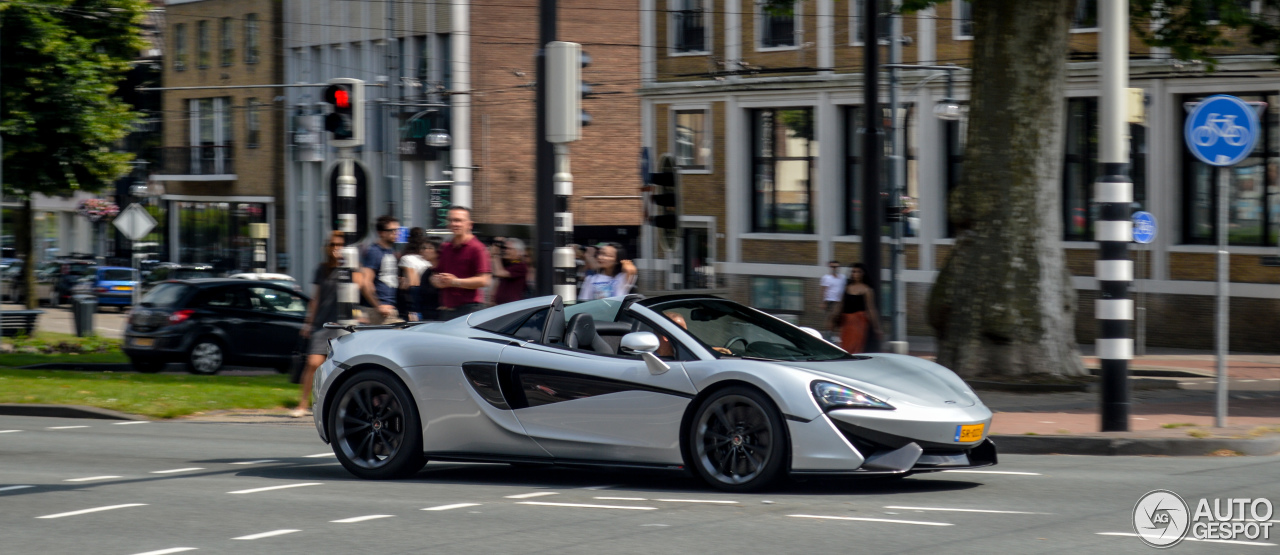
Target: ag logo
[[1161, 518]]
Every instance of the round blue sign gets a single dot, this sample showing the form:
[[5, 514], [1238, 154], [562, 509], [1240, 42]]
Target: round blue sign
[[1221, 130], [1144, 227]]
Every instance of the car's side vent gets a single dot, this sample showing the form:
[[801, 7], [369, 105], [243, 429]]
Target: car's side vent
[[483, 377]]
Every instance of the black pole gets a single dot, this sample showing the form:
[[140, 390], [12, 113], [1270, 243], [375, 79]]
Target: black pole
[[544, 190], [872, 146]]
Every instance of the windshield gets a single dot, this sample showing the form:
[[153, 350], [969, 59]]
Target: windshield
[[728, 326], [117, 275], [165, 294], [601, 310]]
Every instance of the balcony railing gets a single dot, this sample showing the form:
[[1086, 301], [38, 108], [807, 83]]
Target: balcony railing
[[197, 160]]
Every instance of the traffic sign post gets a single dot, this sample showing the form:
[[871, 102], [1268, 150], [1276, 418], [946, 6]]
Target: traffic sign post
[[135, 223], [1221, 131]]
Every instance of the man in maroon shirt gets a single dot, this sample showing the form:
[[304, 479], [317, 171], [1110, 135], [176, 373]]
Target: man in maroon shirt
[[463, 268]]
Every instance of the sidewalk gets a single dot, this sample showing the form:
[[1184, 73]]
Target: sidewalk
[[1175, 421]]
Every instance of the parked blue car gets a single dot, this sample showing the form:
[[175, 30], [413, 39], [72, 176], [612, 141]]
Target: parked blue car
[[114, 285]]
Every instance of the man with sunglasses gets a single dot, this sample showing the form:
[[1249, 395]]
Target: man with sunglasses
[[379, 268]]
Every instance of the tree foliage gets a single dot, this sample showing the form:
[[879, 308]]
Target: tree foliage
[[60, 63]]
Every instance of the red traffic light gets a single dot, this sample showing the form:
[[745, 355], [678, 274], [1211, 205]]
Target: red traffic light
[[341, 99]]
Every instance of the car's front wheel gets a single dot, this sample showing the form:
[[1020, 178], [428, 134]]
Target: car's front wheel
[[375, 427], [737, 440], [206, 356]]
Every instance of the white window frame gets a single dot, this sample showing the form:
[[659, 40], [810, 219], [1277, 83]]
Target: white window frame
[[709, 128], [221, 109], [797, 14], [1095, 29], [708, 29], [956, 22]]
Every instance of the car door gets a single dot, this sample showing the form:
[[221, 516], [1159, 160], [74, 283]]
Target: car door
[[281, 314], [231, 312], [587, 406]]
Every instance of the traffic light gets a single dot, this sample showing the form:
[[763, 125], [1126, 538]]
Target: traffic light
[[345, 97], [565, 91], [665, 214]]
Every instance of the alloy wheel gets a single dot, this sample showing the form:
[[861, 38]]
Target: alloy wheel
[[734, 440], [370, 425], [206, 357]]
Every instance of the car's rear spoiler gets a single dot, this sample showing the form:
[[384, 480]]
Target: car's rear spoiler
[[352, 328]]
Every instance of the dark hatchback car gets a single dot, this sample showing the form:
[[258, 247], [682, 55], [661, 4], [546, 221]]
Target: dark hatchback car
[[208, 324]]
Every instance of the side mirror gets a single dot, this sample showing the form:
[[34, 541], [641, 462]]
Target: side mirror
[[645, 343]]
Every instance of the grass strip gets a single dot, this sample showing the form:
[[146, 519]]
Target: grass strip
[[16, 360], [154, 395]]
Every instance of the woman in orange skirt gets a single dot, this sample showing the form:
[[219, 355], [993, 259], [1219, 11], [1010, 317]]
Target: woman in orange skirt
[[855, 312]]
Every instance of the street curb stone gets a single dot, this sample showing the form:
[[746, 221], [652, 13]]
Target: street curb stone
[[64, 411], [1131, 446]]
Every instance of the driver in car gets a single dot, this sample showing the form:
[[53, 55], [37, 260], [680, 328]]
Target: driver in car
[[665, 349]]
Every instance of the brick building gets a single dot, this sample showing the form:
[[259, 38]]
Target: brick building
[[762, 113], [221, 165], [424, 62]]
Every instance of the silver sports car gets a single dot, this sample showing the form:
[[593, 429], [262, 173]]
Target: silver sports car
[[686, 381]]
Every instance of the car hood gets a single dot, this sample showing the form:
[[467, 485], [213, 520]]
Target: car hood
[[897, 378]]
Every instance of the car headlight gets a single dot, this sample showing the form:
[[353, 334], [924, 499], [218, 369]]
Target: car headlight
[[832, 396]]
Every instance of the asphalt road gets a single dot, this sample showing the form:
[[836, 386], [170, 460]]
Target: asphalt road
[[103, 487]]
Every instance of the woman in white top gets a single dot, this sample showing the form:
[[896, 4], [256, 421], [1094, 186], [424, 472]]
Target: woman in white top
[[615, 275], [412, 265]]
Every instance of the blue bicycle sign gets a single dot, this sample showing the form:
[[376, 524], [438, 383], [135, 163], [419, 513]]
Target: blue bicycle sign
[[1221, 130]]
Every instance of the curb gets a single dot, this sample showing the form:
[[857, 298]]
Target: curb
[[65, 411], [1159, 372], [1132, 446]]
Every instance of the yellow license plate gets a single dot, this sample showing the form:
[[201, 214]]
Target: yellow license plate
[[144, 342], [969, 432], [122, 288]]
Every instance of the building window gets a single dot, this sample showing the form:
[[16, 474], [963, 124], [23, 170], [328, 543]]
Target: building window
[[180, 47], [855, 122], [782, 297], [1086, 16], [202, 44], [953, 138], [1080, 168], [217, 233], [251, 39], [252, 125], [778, 28], [689, 32], [962, 20], [226, 47], [1253, 188], [784, 154], [210, 136], [692, 140], [857, 25]]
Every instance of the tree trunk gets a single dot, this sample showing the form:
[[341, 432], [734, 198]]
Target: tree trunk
[[1003, 303], [25, 231]]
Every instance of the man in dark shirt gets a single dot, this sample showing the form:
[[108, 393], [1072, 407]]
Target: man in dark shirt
[[463, 270], [510, 269], [380, 273]]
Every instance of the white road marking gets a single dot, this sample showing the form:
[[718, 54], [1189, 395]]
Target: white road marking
[[620, 498], [529, 495], [360, 519], [1182, 383], [94, 510], [1273, 379], [9, 431], [266, 534], [451, 507], [660, 525], [713, 501], [597, 487], [145, 422], [1136, 418], [177, 470], [995, 472], [11, 488], [320, 455], [1047, 422], [64, 427], [271, 488], [887, 520], [255, 462], [168, 551], [586, 506], [899, 507], [1189, 539], [1247, 381], [90, 479]]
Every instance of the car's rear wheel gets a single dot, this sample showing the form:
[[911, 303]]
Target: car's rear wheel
[[737, 440], [375, 427], [206, 356]]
